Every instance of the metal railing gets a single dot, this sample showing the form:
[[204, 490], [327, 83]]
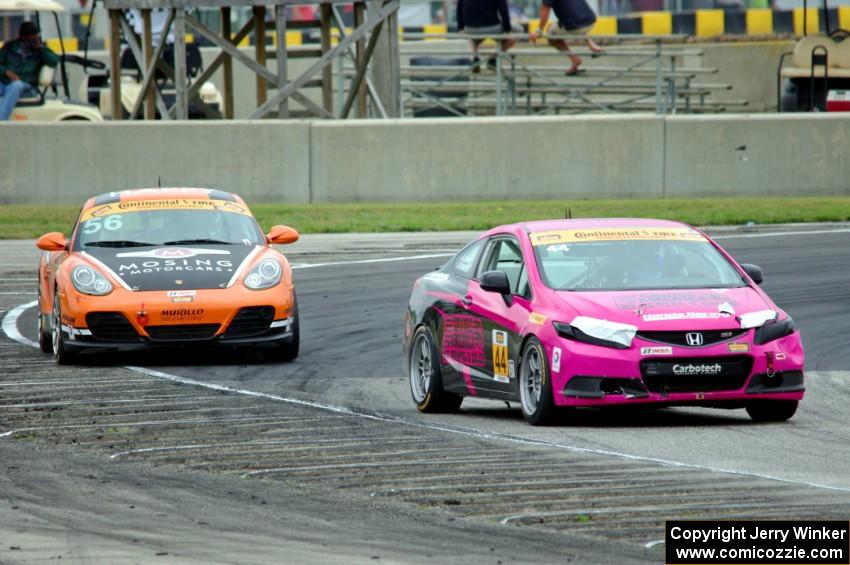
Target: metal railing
[[647, 74]]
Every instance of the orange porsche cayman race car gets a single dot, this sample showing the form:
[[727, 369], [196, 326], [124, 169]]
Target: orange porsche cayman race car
[[153, 267]]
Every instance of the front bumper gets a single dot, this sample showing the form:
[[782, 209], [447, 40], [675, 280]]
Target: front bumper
[[163, 319], [85, 338], [591, 375]]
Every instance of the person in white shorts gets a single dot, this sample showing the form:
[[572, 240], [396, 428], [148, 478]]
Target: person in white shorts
[[575, 17]]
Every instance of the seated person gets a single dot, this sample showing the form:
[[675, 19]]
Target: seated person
[[485, 17], [20, 62]]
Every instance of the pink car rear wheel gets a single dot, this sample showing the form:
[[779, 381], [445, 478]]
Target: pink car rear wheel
[[426, 380]]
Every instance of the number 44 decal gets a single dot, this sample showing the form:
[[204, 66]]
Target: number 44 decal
[[501, 366]]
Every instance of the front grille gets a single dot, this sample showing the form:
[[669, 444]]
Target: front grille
[[709, 337], [251, 321], [698, 374], [182, 332], [111, 326]]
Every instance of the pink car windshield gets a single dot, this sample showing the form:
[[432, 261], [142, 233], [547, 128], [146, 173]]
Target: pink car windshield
[[634, 265]]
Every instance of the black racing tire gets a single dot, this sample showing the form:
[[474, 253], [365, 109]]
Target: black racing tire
[[287, 350], [535, 384], [425, 377], [45, 339], [772, 410], [63, 353]]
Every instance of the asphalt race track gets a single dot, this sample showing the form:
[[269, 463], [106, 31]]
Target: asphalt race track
[[333, 438]]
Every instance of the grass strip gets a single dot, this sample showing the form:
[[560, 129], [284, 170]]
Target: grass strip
[[24, 221]]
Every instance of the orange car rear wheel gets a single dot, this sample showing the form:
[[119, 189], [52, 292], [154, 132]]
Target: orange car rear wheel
[[45, 339]]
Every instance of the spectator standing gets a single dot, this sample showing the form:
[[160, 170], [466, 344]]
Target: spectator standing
[[20, 62], [481, 17], [575, 17]]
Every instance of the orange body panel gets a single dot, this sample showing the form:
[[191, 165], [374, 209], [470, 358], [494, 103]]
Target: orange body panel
[[167, 307]]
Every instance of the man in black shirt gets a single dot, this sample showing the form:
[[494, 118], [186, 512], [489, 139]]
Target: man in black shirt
[[575, 17], [484, 17]]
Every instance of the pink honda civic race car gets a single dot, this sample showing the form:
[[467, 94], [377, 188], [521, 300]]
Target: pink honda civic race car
[[594, 313]]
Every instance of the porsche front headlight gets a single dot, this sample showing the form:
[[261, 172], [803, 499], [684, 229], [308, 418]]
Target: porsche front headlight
[[265, 274], [89, 281]]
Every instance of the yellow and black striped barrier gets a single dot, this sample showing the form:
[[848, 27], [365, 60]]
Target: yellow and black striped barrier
[[695, 23], [705, 23]]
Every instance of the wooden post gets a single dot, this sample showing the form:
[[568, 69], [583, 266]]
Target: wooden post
[[182, 111], [227, 69], [385, 63], [147, 45], [115, 63], [327, 72], [260, 50], [359, 18], [280, 30]]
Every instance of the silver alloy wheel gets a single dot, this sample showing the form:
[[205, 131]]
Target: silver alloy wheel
[[531, 380], [55, 324], [421, 368]]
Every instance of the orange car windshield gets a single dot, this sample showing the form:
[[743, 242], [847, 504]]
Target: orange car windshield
[[136, 228]]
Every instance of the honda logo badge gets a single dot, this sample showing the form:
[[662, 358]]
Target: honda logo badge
[[694, 339]]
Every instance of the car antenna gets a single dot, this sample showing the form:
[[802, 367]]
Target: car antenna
[[568, 214]]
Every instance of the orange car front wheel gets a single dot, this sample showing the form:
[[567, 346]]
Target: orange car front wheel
[[63, 353]]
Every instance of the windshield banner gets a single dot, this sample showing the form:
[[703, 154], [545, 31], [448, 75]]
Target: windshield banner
[[165, 204], [615, 234]]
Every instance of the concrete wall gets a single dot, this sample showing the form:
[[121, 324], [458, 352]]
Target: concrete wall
[[435, 159], [68, 162], [485, 158], [755, 155]]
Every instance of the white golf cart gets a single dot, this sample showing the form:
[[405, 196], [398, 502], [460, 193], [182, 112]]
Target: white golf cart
[[96, 87], [51, 105]]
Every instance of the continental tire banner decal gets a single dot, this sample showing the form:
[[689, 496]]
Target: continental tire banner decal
[[164, 204], [615, 234]]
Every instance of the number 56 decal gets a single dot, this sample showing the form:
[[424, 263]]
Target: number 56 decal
[[109, 223]]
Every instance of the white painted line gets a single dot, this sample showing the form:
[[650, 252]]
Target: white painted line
[[653, 543], [10, 323], [370, 465], [73, 385], [11, 433], [166, 400], [368, 261], [516, 517], [345, 442], [781, 233]]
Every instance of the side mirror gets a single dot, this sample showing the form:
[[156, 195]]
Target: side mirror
[[754, 272], [495, 281], [53, 241], [282, 235]]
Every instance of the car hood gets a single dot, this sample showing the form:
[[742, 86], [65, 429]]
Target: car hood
[[670, 309], [172, 267]]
